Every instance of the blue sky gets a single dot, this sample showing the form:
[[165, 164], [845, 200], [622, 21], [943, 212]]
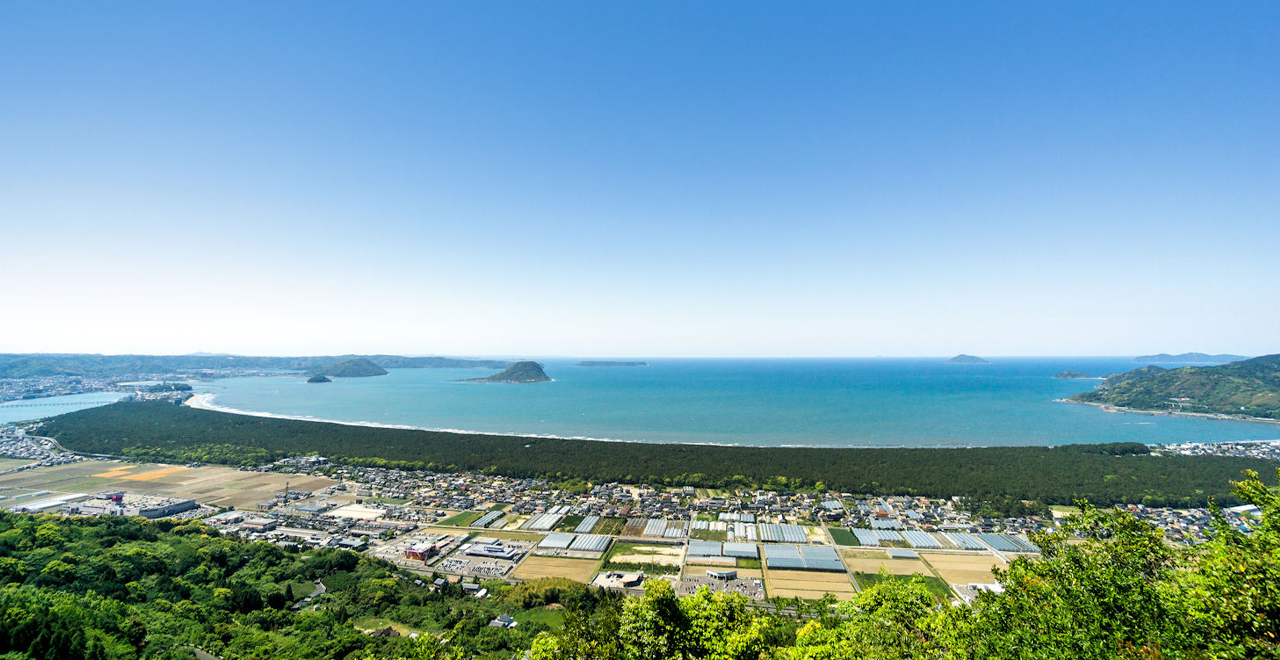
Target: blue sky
[[648, 179]]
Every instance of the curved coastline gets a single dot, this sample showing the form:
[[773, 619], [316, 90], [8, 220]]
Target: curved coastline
[[204, 401], [1107, 407]]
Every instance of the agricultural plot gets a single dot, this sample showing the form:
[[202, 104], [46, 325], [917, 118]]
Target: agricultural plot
[[635, 553], [219, 486], [871, 563], [842, 536], [536, 566], [462, 519], [568, 524], [610, 526], [963, 569], [810, 585]]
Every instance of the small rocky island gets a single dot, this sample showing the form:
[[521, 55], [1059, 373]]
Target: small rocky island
[[610, 363], [353, 368], [967, 359], [527, 371], [319, 379], [1068, 374]]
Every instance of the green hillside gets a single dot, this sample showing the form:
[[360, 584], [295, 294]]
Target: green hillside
[[520, 372], [353, 368], [1249, 387]]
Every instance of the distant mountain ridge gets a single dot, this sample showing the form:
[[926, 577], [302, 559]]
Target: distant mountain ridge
[[1166, 358], [353, 368], [36, 365], [1248, 387]]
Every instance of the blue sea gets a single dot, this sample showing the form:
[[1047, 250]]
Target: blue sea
[[761, 402], [27, 409]]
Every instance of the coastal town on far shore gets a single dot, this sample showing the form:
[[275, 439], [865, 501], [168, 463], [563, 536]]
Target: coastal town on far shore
[[471, 528]]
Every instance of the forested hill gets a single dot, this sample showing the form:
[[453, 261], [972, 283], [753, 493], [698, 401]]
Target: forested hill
[[1101, 473], [353, 368], [1249, 387], [125, 588], [1190, 357], [35, 365], [519, 372]]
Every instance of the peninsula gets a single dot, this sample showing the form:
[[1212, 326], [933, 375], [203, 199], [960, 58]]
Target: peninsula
[[610, 363], [1203, 358], [527, 371], [1244, 389], [353, 368], [967, 359]]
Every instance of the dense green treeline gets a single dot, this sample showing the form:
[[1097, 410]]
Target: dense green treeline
[[120, 588], [1104, 474], [1121, 593]]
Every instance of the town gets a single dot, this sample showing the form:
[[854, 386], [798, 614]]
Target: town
[[469, 527]]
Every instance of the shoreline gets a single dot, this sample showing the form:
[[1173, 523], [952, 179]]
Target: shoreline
[[204, 401], [1122, 410]]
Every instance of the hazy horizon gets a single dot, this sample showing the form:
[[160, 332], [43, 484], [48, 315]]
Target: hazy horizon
[[687, 180]]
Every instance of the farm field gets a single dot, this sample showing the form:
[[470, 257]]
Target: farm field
[[567, 523], [635, 553], [870, 562], [578, 570], [810, 585], [9, 463], [461, 520], [219, 486], [962, 569], [842, 536], [609, 526]]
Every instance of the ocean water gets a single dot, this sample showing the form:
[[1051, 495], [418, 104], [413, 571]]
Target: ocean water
[[775, 402], [23, 410]]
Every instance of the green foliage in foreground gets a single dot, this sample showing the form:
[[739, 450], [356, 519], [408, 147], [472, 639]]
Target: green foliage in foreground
[[1123, 593], [1103, 474], [123, 588], [111, 588], [1248, 387]]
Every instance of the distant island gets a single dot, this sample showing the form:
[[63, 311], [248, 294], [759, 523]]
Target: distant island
[[1068, 374], [319, 379], [610, 363], [353, 368], [1248, 388], [967, 359], [1165, 358], [527, 371]]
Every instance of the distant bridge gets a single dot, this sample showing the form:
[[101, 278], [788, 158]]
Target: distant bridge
[[41, 405]]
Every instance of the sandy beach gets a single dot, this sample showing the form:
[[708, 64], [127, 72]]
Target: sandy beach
[[1106, 407]]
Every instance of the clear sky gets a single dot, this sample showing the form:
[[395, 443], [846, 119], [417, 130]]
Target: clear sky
[[640, 178]]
